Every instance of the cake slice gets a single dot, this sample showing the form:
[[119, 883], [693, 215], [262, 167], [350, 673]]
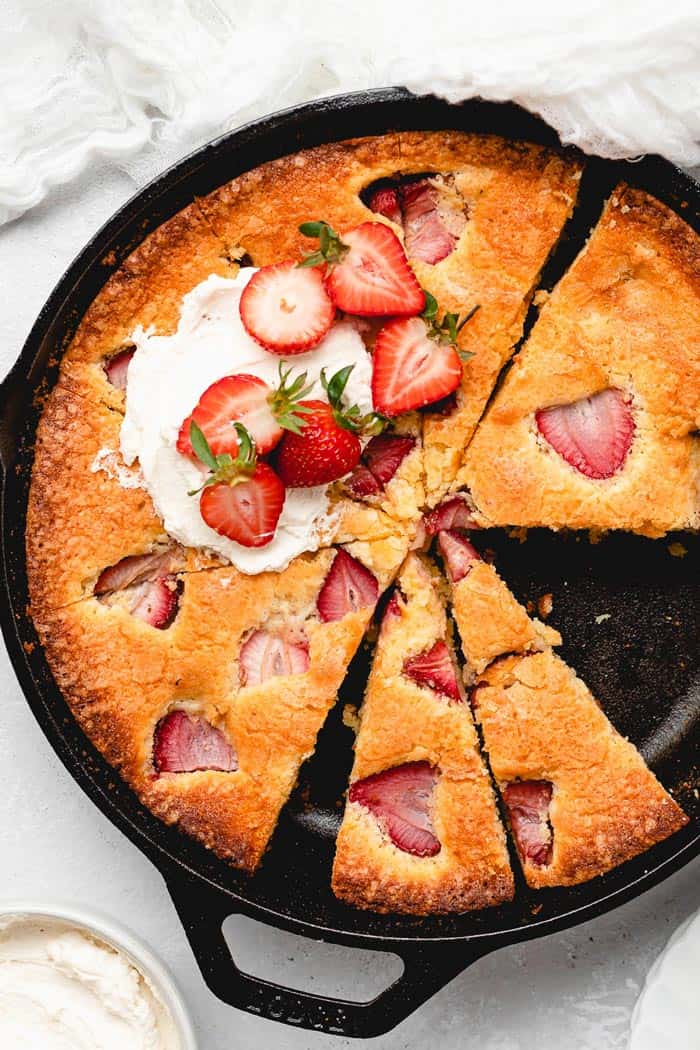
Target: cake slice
[[579, 797], [596, 425], [421, 832]]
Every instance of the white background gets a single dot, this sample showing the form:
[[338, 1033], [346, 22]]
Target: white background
[[572, 991]]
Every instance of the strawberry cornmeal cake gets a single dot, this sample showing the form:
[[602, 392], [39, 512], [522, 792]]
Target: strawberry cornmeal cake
[[268, 417]]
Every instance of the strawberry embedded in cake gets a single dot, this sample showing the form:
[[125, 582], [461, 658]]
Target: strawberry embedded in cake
[[595, 426], [593, 435], [117, 368], [420, 831], [452, 514], [401, 800], [268, 654], [185, 743], [380, 460], [145, 584], [527, 805], [348, 588], [431, 212]]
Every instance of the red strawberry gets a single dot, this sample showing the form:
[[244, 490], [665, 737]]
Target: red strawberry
[[264, 412], [382, 457], [247, 509], [322, 452], [458, 553], [400, 798], [410, 369], [367, 271], [286, 308], [527, 803], [157, 602], [453, 513], [184, 743], [117, 367], [432, 220], [348, 587], [386, 202], [593, 435], [434, 668], [136, 569], [393, 606], [266, 654]]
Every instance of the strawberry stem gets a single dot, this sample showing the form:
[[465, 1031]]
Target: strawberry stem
[[224, 467], [349, 418], [447, 330], [284, 401], [331, 249]]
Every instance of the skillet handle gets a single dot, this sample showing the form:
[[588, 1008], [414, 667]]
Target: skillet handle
[[426, 970]]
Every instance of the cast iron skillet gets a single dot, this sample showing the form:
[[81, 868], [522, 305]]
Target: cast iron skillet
[[643, 660]]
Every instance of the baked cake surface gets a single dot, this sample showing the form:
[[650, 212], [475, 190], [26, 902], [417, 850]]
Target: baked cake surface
[[622, 328], [411, 728]]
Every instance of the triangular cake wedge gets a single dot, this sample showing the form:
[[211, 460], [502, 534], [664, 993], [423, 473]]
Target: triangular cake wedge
[[579, 797], [421, 833], [596, 424]]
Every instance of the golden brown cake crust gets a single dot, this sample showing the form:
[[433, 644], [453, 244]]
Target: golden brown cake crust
[[539, 721], [402, 721], [626, 315]]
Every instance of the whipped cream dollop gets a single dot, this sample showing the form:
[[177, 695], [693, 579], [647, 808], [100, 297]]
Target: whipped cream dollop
[[168, 375], [62, 989]]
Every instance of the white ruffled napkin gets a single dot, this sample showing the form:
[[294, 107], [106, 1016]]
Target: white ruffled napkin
[[142, 82]]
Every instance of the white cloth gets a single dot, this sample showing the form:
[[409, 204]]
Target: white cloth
[[142, 82]]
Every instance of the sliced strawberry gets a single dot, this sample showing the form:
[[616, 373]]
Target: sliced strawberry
[[374, 278], [349, 586], [386, 202], [286, 308], [432, 220], [323, 452], [409, 369], [266, 654], [434, 668], [183, 743], [401, 799], [117, 367], [458, 553], [246, 510], [136, 569], [527, 803], [453, 513], [381, 458], [157, 602], [593, 435], [241, 398]]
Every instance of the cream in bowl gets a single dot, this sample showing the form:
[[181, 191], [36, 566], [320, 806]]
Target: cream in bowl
[[64, 986]]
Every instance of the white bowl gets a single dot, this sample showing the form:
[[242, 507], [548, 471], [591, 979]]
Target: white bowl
[[669, 1007], [116, 936]]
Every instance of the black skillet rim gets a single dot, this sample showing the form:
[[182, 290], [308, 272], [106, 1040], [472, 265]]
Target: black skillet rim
[[371, 112]]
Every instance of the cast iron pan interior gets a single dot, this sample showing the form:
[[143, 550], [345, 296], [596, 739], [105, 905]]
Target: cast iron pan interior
[[627, 608]]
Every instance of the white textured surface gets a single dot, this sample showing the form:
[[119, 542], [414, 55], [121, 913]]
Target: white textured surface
[[572, 991], [617, 79]]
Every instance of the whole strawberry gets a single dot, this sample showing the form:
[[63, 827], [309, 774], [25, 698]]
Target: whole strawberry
[[328, 446]]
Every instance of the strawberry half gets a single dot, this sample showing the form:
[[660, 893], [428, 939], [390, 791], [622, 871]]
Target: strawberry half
[[401, 800], [286, 308], [183, 743], [434, 668], [136, 569], [265, 412], [453, 513], [458, 553], [267, 654], [117, 368], [410, 369], [157, 602], [367, 272], [145, 584], [347, 588], [593, 435], [527, 804], [433, 218], [328, 446], [246, 509], [241, 498]]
